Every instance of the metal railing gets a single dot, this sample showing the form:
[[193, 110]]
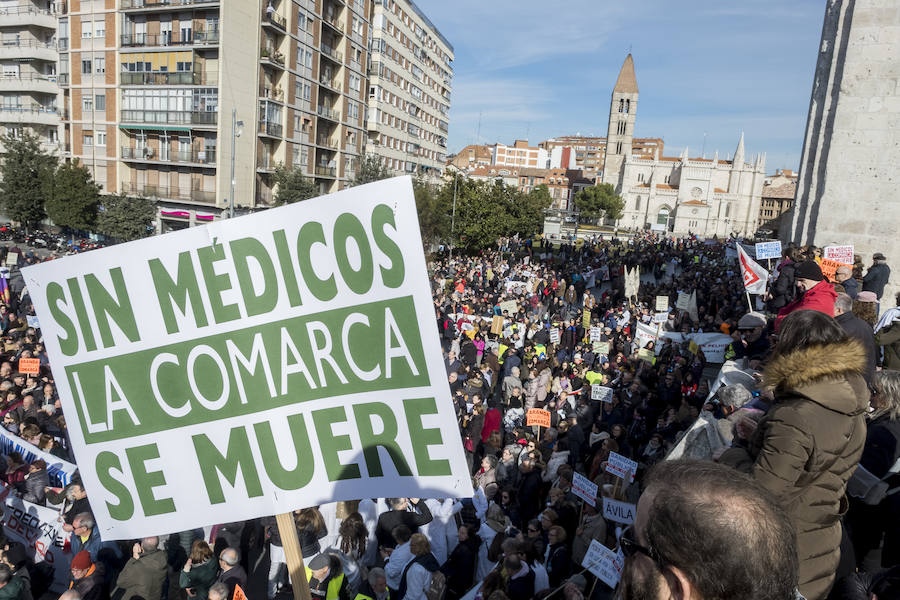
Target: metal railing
[[272, 93], [164, 191], [325, 171], [191, 156], [29, 77], [324, 111], [334, 24], [174, 38], [330, 84], [324, 140], [270, 128], [127, 4], [24, 9], [26, 43], [179, 117], [272, 56], [265, 163], [331, 53], [270, 16], [34, 108], [62, 79], [62, 44], [170, 78]]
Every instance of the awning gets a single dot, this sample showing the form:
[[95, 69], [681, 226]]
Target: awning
[[156, 128]]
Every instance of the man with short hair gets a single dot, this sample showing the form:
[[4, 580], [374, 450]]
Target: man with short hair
[[703, 530], [232, 572], [144, 573], [85, 536], [374, 587], [219, 591], [858, 329]]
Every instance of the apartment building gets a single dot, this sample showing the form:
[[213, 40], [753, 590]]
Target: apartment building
[[409, 89], [588, 153], [520, 154], [28, 75], [194, 103]]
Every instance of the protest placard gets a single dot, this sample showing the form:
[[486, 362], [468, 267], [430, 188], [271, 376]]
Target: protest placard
[[600, 348], [509, 307], [554, 336], [662, 303], [620, 512], [693, 348], [765, 250], [40, 530], [644, 334], [839, 254], [30, 366], [829, 268], [601, 393], [683, 302], [660, 317], [584, 488], [586, 318], [621, 467], [497, 325], [12, 259], [596, 334], [537, 417], [33, 321], [604, 563], [646, 354], [249, 366]]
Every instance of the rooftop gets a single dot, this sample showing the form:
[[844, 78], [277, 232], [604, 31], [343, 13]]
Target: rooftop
[[627, 82]]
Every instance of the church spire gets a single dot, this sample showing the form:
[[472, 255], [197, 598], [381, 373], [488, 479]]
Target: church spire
[[627, 82], [739, 153]]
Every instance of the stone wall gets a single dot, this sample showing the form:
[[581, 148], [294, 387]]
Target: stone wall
[[848, 191]]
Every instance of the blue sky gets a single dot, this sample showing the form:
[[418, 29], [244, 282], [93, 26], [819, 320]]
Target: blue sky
[[543, 69]]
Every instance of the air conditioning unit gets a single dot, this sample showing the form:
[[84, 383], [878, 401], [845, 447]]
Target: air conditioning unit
[[148, 151]]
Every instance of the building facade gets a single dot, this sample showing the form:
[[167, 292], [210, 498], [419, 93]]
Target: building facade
[[677, 194], [777, 199], [472, 156], [520, 154], [410, 80], [194, 104], [589, 153], [29, 82]]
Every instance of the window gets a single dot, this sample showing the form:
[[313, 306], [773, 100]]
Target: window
[[100, 29], [100, 102], [87, 104], [628, 106], [637, 203], [100, 64], [662, 217], [86, 67], [85, 30], [621, 105], [87, 138], [354, 82], [183, 67], [640, 178], [100, 138]]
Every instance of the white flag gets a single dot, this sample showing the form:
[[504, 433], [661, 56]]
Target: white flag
[[754, 275]]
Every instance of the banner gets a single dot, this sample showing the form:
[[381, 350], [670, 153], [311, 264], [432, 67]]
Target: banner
[[713, 345], [829, 268], [497, 325], [684, 299], [584, 488], [620, 512], [249, 366], [30, 366], [554, 336], [662, 304], [517, 288], [59, 471], [596, 334], [586, 318], [537, 417], [644, 334], [754, 275], [766, 250], [839, 254], [660, 317], [40, 530], [600, 348]]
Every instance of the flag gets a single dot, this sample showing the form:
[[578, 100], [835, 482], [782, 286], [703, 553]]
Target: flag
[[692, 307], [754, 275], [632, 282], [4, 291]]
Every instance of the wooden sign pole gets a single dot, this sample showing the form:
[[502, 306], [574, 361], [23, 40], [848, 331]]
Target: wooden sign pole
[[287, 529]]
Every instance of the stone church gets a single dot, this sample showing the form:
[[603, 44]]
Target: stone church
[[705, 196]]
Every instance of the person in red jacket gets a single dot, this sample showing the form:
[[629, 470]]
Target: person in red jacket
[[815, 293]]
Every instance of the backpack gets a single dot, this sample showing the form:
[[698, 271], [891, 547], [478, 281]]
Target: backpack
[[437, 589]]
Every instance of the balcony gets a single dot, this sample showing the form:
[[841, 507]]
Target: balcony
[[270, 18], [62, 44], [270, 129], [199, 157], [326, 142], [25, 15], [325, 172], [171, 117], [173, 78], [25, 50], [331, 85], [35, 114], [162, 4], [331, 53], [273, 57], [265, 163], [333, 115], [62, 79], [161, 40], [334, 24], [29, 83], [272, 93], [168, 193]]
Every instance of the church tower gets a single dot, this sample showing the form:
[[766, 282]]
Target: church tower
[[622, 112]]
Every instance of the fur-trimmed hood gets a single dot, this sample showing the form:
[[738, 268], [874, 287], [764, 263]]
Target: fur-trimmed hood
[[829, 374]]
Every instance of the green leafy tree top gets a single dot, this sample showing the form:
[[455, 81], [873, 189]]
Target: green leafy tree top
[[124, 217], [370, 169], [27, 176], [75, 198], [599, 201], [293, 186]]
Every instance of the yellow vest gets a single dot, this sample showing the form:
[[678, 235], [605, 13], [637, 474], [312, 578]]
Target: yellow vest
[[334, 585]]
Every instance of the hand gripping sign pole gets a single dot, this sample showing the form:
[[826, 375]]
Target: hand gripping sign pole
[[287, 529]]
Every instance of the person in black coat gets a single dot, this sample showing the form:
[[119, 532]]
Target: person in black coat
[[399, 515], [529, 490], [878, 275], [460, 566], [558, 559], [855, 327], [782, 292]]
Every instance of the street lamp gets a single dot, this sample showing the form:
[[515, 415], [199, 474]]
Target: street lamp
[[237, 127]]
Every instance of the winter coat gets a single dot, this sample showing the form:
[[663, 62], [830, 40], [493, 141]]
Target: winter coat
[[820, 297], [13, 589], [460, 568], [143, 577], [889, 339], [200, 578], [783, 289], [593, 527], [851, 287], [876, 279], [33, 486], [808, 445]]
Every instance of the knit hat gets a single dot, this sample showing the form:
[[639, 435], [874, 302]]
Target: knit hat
[[82, 561], [867, 297], [808, 270]]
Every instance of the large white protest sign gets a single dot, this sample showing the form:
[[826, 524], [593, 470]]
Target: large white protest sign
[[620, 512], [662, 303], [40, 530], [713, 345], [554, 336], [766, 250], [644, 334], [596, 334], [621, 467], [254, 365], [841, 254], [604, 563], [684, 299], [660, 317], [601, 393], [59, 471], [584, 488]]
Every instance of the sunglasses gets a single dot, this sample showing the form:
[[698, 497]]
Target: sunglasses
[[630, 547]]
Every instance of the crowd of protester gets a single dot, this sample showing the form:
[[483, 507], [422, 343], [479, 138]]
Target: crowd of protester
[[811, 433]]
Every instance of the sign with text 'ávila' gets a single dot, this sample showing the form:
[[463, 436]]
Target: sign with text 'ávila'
[[252, 366]]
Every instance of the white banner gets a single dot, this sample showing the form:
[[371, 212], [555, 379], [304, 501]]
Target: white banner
[[59, 471], [644, 334], [620, 512], [584, 488], [684, 299], [40, 530], [754, 275], [841, 254], [250, 366], [596, 334], [713, 345]]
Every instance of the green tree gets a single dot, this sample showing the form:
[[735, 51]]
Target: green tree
[[27, 176], [124, 217], [75, 198], [529, 210], [293, 186], [481, 212], [599, 201], [434, 220], [370, 169]]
